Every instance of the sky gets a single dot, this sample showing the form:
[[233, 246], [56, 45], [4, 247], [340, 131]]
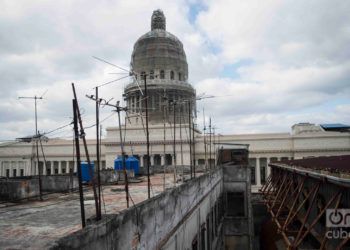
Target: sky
[[269, 63]]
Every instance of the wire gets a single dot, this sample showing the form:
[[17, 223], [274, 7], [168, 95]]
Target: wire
[[104, 84], [110, 63], [104, 119]]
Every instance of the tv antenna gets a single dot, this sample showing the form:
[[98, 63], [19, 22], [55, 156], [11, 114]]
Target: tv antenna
[[35, 98]]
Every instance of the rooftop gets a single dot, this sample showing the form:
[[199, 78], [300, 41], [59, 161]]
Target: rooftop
[[38, 224]]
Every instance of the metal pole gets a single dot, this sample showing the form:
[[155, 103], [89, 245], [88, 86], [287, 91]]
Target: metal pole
[[205, 143], [76, 136], [174, 106], [98, 217], [164, 136], [182, 157], [190, 137], [210, 143], [194, 152], [147, 140], [123, 158], [86, 148], [37, 149]]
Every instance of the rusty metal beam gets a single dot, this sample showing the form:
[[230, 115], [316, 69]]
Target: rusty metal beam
[[307, 214], [300, 189], [301, 205], [339, 195], [284, 199]]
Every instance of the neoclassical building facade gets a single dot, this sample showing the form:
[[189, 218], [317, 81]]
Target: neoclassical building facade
[[159, 60]]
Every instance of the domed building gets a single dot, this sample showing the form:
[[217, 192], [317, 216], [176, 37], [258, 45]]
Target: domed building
[[159, 60], [160, 77]]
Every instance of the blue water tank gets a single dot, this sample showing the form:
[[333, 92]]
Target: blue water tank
[[132, 163], [118, 163], [86, 172]]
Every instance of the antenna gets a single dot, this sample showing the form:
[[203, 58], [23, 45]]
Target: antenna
[[35, 98]]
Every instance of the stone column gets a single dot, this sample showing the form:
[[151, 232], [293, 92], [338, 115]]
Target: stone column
[[141, 161], [268, 168], [152, 159], [59, 167], [67, 167], [258, 178], [52, 169], [75, 169], [1, 169], [36, 164], [162, 160]]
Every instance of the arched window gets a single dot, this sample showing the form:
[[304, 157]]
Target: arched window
[[172, 75], [143, 73], [162, 75], [180, 77], [151, 74]]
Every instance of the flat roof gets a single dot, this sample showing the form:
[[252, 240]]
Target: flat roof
[[38, 224], [333, 164]]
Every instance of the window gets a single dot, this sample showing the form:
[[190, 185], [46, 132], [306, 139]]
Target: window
[[252, 164], [162, 75], [172, 75], [180, 77], [252, 176], [235, 204], [143, 74], [7, 173], [56, 170], [22, 172], [14, 172], [151, 74], [263, 166], [201, 161]]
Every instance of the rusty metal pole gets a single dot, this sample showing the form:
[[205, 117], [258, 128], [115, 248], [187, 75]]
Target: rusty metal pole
[[147, 139], [123, 157], [190, 136], [76, 136], [82, 134], [98, 217]]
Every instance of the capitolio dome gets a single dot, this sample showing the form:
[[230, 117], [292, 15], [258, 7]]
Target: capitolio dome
[[159, 49], [160, 56]]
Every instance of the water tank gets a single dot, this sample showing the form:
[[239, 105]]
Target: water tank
[[118, 163], [87, 172], [132, 163]]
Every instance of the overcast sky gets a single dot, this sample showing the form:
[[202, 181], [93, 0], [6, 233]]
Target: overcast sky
[[271, 63]]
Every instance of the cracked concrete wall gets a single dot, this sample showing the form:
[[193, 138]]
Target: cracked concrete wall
[[148, 225]]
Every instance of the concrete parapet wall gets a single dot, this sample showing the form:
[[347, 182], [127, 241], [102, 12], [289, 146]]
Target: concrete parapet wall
[[59, 183], [148, 225], [18, 189], [26, 187]]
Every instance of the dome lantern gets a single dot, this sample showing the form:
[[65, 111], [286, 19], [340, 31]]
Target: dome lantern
[[158, 20]]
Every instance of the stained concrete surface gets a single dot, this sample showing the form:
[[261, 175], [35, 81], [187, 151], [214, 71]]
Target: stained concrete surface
[[37, 224]]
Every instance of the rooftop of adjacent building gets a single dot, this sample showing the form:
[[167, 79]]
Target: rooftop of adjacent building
[[37, 224]]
